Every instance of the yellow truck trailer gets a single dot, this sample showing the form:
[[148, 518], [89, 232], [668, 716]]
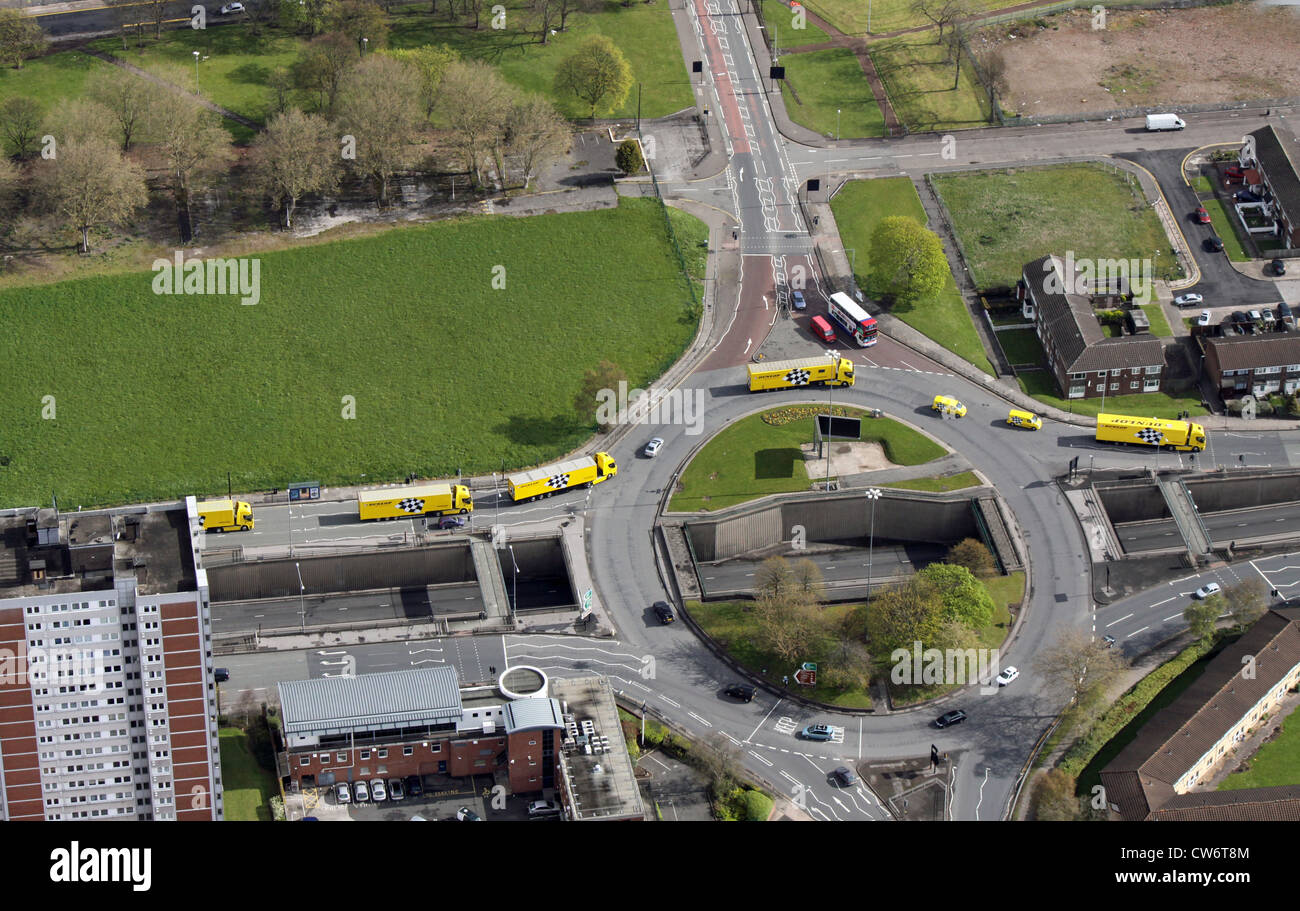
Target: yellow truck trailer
[[1121, 428], [542, 482], [225, 515], [808, 371], [419, 500]]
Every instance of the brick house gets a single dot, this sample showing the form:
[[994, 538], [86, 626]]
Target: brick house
[[1277, 165], [1254, 364], [1085, 363]]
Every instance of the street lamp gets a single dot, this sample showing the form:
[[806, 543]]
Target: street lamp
[[873, 494], [830, 408], [514, 606], [302, 604], [365, 44], [196, 72], [837, 124]]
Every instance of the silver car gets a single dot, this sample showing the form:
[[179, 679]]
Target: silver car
[[652, 448]]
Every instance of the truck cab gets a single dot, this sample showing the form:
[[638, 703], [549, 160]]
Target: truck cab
[[461, 500], [844, 372], [605, 466]]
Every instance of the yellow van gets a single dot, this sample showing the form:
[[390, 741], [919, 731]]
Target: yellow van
[[1024, 419], [949, 404]]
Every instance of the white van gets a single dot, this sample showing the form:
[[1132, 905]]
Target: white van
[[1164, 122]]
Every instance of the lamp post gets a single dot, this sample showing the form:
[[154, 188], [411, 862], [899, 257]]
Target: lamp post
[[837, 124], [873, 494], [302, 604], [365, 46], [514, 600], [196, 72], [830, 409]]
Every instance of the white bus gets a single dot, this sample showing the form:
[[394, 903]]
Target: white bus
[[853, 319]]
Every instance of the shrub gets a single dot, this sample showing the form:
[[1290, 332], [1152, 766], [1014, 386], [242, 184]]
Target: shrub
[[758, 806], [628, 157]]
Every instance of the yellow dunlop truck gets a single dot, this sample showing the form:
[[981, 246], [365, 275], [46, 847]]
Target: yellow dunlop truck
[[420, 500], [225, 515], [1121, 428], [808, 371], [542, 482]]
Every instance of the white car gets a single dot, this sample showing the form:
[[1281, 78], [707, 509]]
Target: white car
[[377, 790], [1205, 318], [652, 448], [342, 793], [1007, 676], [232, 8], [1209, 588], [1188, 300], [362, 791]]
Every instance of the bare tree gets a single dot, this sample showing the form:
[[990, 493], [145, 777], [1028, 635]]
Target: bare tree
[[20, 123], [774, 578], [942, 12], [1246, 601], [91, 185], [81, 119], [535, 133], [321, 68], [474, 102], [545, 13], [789, 626], [127, 96], [430, 63], [1079, 667], [196, 149], [296, 155], [279, 85], [719, 759], [379, 105], [808, 577], [362, 22]]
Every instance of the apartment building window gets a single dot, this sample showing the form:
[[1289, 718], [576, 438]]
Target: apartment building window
[[1133, 385], [1151, 370], [304, 760], [383, 753], [365, 754], [407, 751], [340, 757], [1151, 386], [1116, 372], [1114, 387]]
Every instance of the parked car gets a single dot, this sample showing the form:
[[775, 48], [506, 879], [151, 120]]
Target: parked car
[[230, 8], [741, 691], [465, 814], [1279, 267], [1239, 316], [817, 732], [844, 776], [1205, 318], [1234, 172], [451, 522], [220, 674], [414, 786], [946, 403], [664, 611], [652, 448], [1188, 300], [797, 298], [1214, 243], [544, 808], [1209, 588], [395, 789], [378, 793], [361, 791], [948, 719], [1269, 318], [1202, 216], [1008, 674], [1026, 419], [1248, 196], [342, 793]]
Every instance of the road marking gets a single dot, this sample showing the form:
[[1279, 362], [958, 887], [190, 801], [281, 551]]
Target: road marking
[[707, 724], [761, 759], [1131, 635], [1121, 619], [1170, 617]]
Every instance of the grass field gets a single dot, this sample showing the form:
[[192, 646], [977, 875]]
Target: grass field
[[1040, 385], [1159, 324], [1226, 226], [1008, 217], [247, 788], [858, 208], [728, 623], [161, 396], [49, 78], [752, 458], [1276, 762], [1021, 346], [851, 16], [958, 481], [826, 82], [918, 78], [778, 17]]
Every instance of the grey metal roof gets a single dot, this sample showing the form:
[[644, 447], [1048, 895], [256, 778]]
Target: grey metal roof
[[523, 714], [369, 702]]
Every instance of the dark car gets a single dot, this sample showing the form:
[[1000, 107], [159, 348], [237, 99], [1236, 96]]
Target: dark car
[[844, 777], [1248, 196], [414, 787], [220, 674], [798, 301], [1279, 267], [1214, 243], [451, 522], [740, 691], [663, 610], [948, 719], [1239, 316]]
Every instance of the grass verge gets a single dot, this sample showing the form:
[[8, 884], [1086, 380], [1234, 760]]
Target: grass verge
[[247, 788], [938, 485], [919, 79], [832, 92], [1041, 385]]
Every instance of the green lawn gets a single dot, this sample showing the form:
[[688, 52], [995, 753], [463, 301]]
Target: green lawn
[[918, 78], [780, 18], [827, 82], [1277, 762], [851, 16], [49, 78], [1226, 226], [1159, 324], [1041, 385], [753, 458], [156, 397], [1202, 184], [858, 208], [951, 482], [1021, 346], [247, 788], [1008, 217], [728, 623]]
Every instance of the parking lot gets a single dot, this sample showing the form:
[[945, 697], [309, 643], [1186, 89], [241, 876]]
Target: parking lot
[[440, 800]]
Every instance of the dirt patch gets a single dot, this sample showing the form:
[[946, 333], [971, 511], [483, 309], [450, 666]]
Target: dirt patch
[[1194, 56], [847, 458]]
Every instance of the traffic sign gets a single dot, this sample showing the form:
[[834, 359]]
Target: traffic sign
[[809, 666], [586, 604], [805, 676]]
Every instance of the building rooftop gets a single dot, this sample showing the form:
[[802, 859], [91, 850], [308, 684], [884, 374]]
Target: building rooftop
[[371, 702], [44, 552], [530, 714], [1244, 352], [1277, 153], [1276, 804], [602, 785]]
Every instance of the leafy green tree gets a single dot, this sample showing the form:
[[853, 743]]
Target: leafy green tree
[[322, 67], [309, 16], [1200, 615], [974, 555], [628, 157], [361, 22], [20, 124], [907, 260], [597, 73], [21, 37], [965, 599], [902, 616]]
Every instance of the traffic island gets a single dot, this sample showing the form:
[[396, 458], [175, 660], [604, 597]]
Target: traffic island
[[914, 790]]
